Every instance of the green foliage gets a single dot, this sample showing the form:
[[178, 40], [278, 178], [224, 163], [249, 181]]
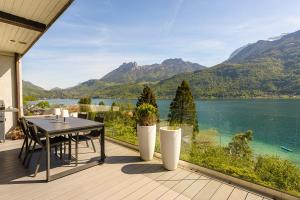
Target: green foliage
[[119, 125], [101, 103], [28, 98], [217, 158], [125, 106], [85, 101], [84, 104], [43, 104], [146, 114], [270, 171], [182, 108], [114, 104], [240, 145], [236, 159], [147, 96], [278, 173]]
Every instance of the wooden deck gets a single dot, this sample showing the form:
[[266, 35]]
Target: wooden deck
[[123, 176]]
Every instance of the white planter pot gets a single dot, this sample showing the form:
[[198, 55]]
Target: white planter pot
[[170, 143], [146, 137]]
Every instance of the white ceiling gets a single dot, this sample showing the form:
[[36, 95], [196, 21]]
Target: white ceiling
[[16, 39]]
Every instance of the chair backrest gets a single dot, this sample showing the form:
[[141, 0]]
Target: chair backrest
[[34, 133], [97, 133], [24, 127], [82, 115], [99, 119]]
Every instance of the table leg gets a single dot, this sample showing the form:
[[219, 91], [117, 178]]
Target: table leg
[[48, 158], [70, 147], [76, 149], [102, 144]]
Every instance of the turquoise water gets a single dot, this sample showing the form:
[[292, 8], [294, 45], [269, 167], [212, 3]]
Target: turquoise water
[[274, 122]]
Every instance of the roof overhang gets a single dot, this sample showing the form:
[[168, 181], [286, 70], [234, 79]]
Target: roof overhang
[[22, 23]]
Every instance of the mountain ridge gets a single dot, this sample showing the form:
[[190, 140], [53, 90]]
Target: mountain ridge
[[264, 68], [132, 72]]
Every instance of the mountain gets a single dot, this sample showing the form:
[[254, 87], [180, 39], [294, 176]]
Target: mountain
[[264, 68], [286, 49], [133, 73], [29, 89]]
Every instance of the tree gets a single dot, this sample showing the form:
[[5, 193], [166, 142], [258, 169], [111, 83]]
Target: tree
[[43, 104], [85, 101], [84, 104], [182, 108], [147, 96], [101, 103], [240, 145]]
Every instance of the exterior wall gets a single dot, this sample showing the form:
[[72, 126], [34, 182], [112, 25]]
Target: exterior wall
[[8, 88]]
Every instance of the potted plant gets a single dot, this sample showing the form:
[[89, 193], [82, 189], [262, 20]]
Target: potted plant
[[146, 130], [182, 111], [170, 144]]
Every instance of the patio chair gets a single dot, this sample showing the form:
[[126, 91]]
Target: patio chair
[[95, 134], [55, 142], [82, 116], [27, 139]]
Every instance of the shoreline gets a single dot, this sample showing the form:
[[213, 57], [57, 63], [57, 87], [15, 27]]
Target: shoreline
[[196, 99]]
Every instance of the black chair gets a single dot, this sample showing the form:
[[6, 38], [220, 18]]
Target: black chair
[[82, 116], [55, 142], [95, 134], [27, 139]]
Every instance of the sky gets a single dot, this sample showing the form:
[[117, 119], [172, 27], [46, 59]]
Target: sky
[[93, 37]]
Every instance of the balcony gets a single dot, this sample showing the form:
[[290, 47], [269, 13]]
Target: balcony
[[123, 176]]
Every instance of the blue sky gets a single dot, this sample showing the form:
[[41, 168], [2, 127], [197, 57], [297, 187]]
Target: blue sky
[[94, 37]]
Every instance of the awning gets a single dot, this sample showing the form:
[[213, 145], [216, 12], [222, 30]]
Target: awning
[[23, 22]]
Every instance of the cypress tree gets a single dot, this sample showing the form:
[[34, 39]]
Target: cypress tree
[[147, 96], [182, 108]]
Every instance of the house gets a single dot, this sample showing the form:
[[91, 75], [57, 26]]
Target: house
[[22, 24]]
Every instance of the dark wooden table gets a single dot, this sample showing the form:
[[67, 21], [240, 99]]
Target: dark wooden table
[[52, 127]]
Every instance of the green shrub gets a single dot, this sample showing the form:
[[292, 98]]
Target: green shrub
[[43, 104], [146, 114], [278, 173], [240, 145], [119, 125], [28, 98], [85, 100], [84, 104], [218, 158], [101, 103], [125, 106], [148, 96]]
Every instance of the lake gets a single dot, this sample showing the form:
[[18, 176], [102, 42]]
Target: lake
[[274, 123]]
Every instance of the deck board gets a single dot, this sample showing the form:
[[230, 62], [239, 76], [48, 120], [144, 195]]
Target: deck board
[[123, 176], [238, 194]]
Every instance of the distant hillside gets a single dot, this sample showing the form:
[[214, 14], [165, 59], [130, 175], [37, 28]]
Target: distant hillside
[[265, 68], [285, 50], [124, 82], [132, 73], [30, 89]]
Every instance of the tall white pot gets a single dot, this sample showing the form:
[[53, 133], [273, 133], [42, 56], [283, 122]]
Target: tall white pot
[[170, 143], [146, 137]]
